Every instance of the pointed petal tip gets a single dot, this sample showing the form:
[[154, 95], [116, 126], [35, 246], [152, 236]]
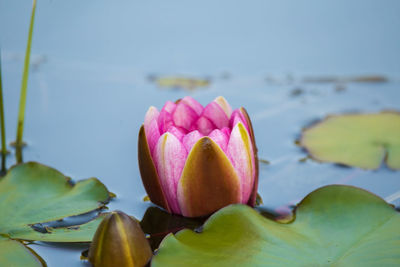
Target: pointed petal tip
[[216, 114], [238, 116], [151, 114], [169, 107], [151, 126], [224, 104], [220, 137], [165, 120], [177, 131], [152, 108], [194, 104], [184, 116], [190, 139]]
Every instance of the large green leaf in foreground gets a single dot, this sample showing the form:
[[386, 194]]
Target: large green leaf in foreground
[[333, 226], [15, 254], [360, 140], [31, 194]]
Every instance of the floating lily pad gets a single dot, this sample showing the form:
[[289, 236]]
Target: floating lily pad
[[359, 140], [14, 253], [32, 194], [185, 83], [333, 226]]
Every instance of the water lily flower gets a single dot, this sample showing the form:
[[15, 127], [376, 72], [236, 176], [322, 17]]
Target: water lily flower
[[195, 160]]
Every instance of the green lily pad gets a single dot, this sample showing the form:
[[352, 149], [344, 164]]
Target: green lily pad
[[185, 83], [32, 194], [333, 226], [14, 254], [359, 140]]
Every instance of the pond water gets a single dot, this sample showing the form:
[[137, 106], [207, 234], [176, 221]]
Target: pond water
[[89, 85]]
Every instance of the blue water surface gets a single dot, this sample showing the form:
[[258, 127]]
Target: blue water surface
[[89, 85]]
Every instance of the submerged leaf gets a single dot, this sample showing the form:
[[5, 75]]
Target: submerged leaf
[[359, 140], [76, 233], [334, 226]]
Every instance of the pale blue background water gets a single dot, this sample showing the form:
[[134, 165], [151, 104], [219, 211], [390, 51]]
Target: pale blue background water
[[89, 86]]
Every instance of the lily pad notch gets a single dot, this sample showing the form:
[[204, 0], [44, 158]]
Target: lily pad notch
[[335, 225], [33, 194], [358, 140]]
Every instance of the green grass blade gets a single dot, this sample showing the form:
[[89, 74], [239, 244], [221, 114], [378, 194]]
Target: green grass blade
[[24, 85], [3, 128]]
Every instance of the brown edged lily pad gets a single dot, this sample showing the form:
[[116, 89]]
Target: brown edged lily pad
[[32, 194], [359, 140]]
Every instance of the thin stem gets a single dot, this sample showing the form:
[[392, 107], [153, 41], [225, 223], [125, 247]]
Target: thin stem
[[24, 85], [3, 127], [18, 154]]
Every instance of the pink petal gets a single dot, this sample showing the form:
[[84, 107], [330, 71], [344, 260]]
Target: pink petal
[[204, 125], [165, 121], [240, 151], [184, 116], [237, 116], [227, 131], [221, 101], [191, 102], [169, 107], [177, 132], [169, 158], [220, 138], [190, 139], [151, 127], [216, 115]]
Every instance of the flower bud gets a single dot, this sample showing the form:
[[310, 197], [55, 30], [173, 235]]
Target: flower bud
[[119, 241]]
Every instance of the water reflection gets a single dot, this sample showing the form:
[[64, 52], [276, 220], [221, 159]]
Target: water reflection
[[281, 214], [158, 223], [3, 170]]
